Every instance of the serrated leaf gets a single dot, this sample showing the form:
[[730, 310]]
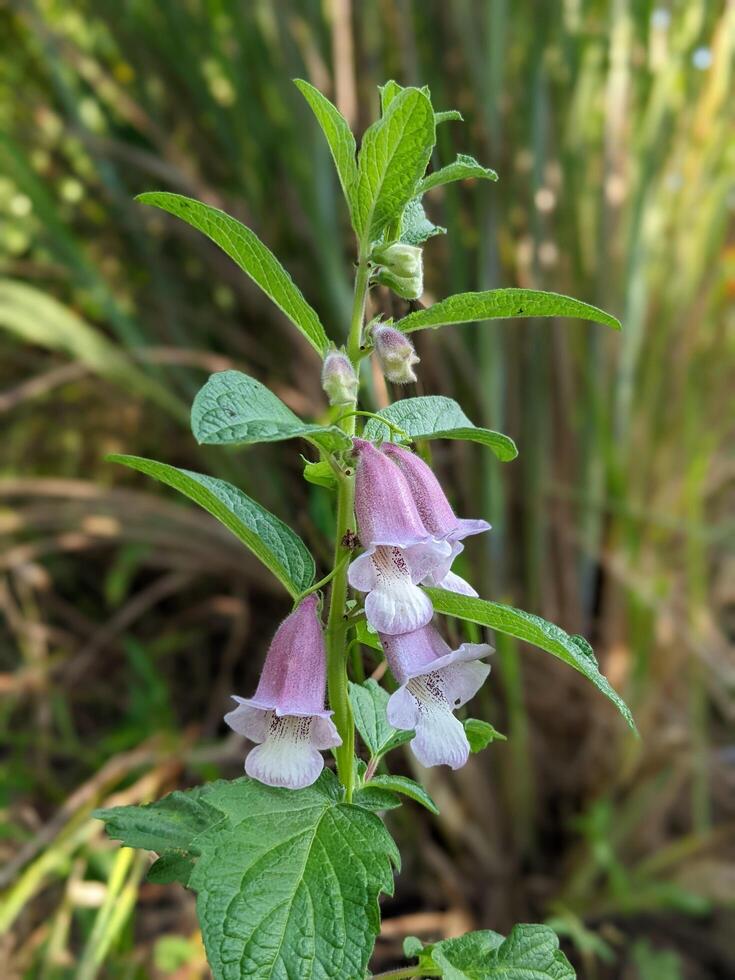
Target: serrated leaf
[[232, 407], [287, 881], [393, 157], [254, 258], [531, 952], [406, 787], [339, 138], [369, 704], [437, 417], [501, 304], [416, 228], [271, 541], [463, 168], [480, 734], [532, 629]]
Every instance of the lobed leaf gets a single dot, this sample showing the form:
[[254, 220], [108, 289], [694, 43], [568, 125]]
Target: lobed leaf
[[393, 157], [287, 881], [463, 168], [254, 258], [279, 548], [500, 304], [339, 138], [437, 417], [232, 407], [532, 629]]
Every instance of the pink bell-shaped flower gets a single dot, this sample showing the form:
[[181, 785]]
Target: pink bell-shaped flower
[[286, 715], [435, 681], [399, 551], [436, 515]]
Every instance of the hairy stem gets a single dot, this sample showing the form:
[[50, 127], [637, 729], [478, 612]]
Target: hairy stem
[[337, 626]]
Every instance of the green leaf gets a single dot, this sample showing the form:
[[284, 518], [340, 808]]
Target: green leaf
[[393, 157], [339, 137], [500, 304], [366, 636], [532, 629], [480, 734], [279, 548], [287, 881], [254, 258], [369, 703], [412, 946], [320, 474], [407, 787], [232, 407], [448, 115], [376, 799], [415, 226], [531, 952], [463, 168], [437, 417]]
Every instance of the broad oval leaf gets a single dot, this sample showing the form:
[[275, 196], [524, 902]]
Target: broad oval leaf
[[393, 157], [437, 417], [232, 407], [254, 258], [287, 881], [271, 541], [501, 304], [339, 138], [532, 629], [406, 787], [463, 168]]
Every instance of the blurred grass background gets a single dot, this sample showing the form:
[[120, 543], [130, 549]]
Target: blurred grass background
[[127, 618]]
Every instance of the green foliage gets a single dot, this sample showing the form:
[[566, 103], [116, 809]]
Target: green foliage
[[480, 734], [235, 408], [369, 704], [339, 138], [254, 258], [393, 157], [501, 304], [406, 787], [532, 629], [437, 417], [463, 168], [415, 226], [531, 952], [279, 548], [287, 881]]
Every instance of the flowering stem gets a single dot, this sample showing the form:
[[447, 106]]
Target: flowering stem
[[337, 626], [322, 582]]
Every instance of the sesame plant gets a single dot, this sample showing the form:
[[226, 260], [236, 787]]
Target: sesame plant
[[288, 862]]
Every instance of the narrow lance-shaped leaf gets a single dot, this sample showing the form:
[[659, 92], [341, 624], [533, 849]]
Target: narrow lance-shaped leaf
[[254, 258], [279, 548], [232, 407], [339, 138], [532, 629], [501, 304], [393, 157], [463, 168], [287, 881], [437, 417]]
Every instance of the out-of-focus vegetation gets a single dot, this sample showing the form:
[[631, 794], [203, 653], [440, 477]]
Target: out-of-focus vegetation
[[128, 618]]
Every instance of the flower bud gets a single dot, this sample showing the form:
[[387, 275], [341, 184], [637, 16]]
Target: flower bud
[[339, 379], [402, 269], [396, 354]]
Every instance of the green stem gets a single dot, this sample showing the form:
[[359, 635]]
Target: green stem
[[320, 584], [337, 626], [374, 415], [405, 972]]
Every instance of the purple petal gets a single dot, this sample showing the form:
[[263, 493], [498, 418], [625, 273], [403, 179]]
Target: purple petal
[[386, 513]]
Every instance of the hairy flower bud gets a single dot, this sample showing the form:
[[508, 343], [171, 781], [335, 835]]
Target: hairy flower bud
[[396, 354], [339, 379], [402, 269]]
